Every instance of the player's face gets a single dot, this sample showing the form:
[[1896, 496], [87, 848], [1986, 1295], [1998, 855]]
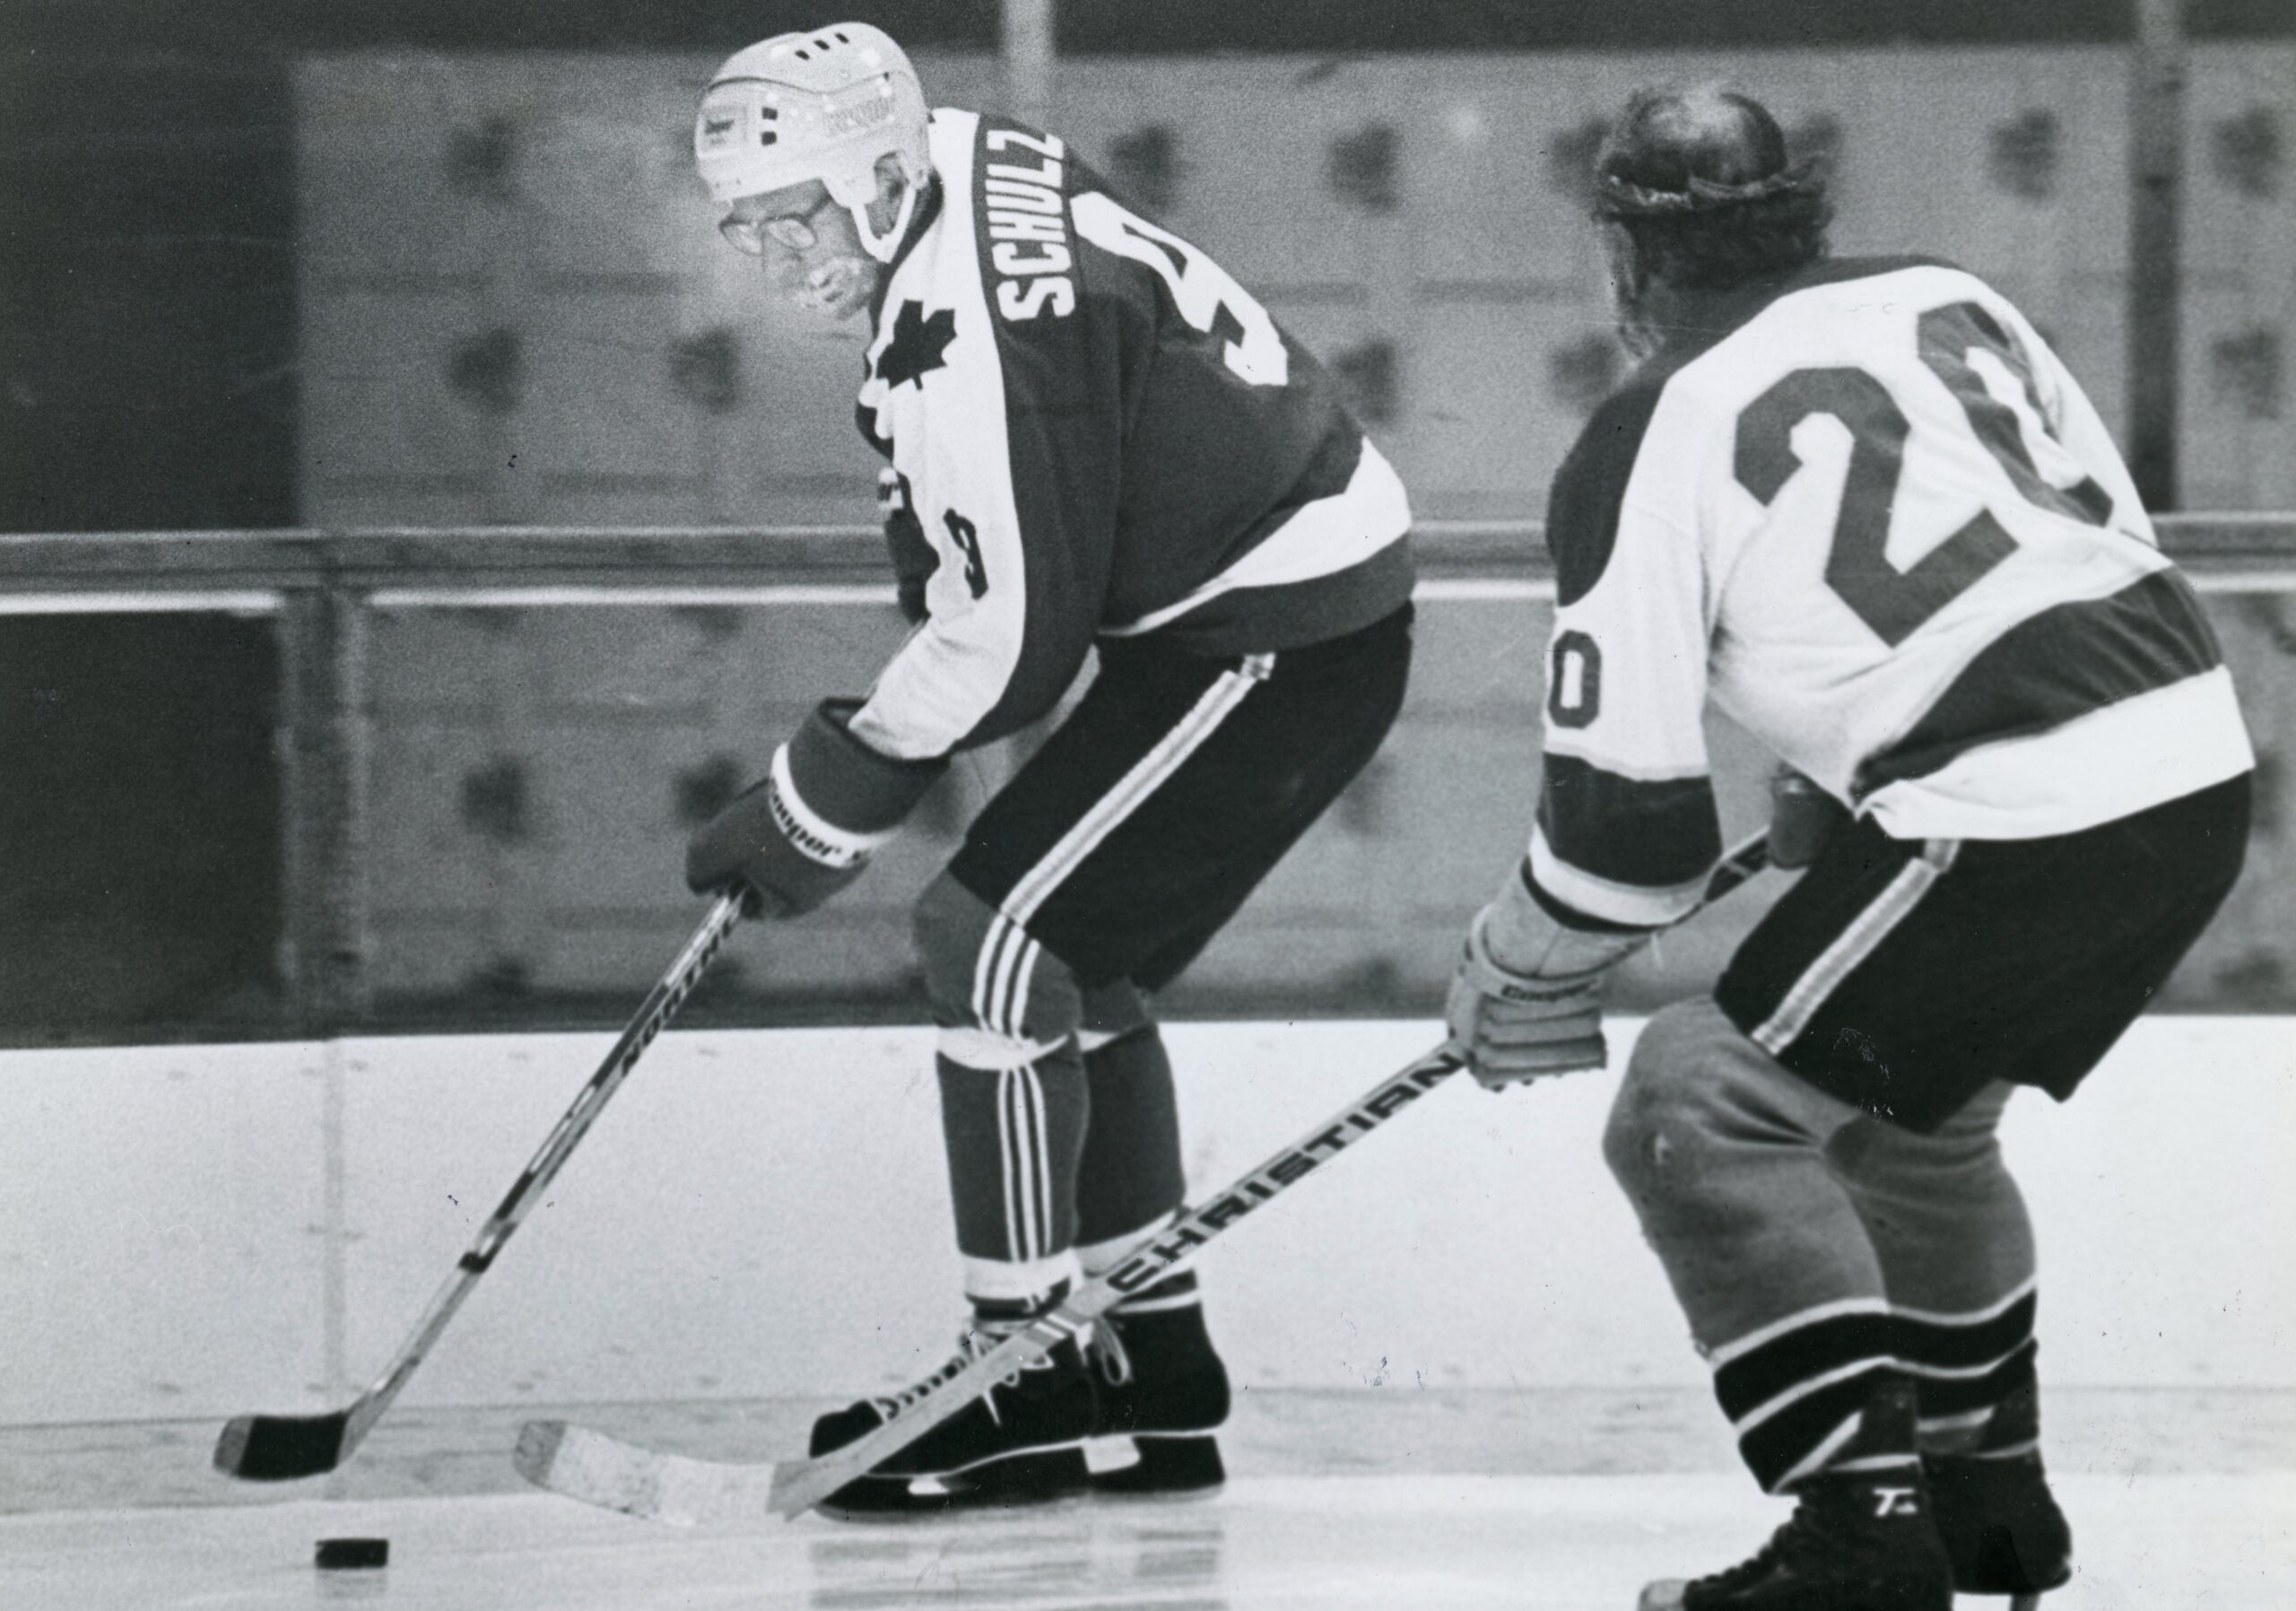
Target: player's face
[[807, 246]]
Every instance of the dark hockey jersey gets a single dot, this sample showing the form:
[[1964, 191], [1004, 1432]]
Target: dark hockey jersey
[[1870, 514], [1100, 434]]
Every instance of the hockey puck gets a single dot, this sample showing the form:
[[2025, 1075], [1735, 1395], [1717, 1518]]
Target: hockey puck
[[352, 1555]]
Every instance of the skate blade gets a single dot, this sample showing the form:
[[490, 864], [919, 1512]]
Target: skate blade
[[1175, 1468], [1036, 1482]]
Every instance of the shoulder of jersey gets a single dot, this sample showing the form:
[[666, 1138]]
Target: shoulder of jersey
[[1022, 180], [1825, 277]]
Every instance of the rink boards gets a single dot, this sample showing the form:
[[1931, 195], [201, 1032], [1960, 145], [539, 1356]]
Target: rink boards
[[194, 1232]]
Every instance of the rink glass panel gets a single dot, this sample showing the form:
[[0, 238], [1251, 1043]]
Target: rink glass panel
[[536, 772], [424, 808]]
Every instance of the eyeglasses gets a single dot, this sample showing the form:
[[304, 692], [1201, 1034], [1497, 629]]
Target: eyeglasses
[[793, 231]]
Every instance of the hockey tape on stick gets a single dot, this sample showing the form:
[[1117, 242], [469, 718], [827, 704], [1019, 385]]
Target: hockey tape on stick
[[278, 1447], [597, 1469]]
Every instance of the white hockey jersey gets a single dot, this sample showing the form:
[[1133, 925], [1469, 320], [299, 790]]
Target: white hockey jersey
[[1872, 516]]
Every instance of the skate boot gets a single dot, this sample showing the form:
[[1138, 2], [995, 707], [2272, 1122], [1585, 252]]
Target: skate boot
[[2000, 1523], [1861, 1539], [1020, 1443], [1161, 1386]]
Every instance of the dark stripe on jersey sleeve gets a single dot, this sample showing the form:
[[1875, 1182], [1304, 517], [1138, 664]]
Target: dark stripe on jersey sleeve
[[1651, 835], [1752, 1379], [1963, 1348], [1582, 507], [1566, 914], [2050, 668], [1064, 435]]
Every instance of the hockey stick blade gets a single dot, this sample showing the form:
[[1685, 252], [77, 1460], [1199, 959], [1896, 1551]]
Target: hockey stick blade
[[277, 1449], [615, 1476], [270, 1449]]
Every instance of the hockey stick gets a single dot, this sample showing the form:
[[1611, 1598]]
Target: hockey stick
[[598, 1469], [276, 1448], [591, 1467]]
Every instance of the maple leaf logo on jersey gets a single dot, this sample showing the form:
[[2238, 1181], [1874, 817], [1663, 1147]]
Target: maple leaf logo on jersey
[[920, 340]]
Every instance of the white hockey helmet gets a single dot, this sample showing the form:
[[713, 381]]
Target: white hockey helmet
[[823, 104]]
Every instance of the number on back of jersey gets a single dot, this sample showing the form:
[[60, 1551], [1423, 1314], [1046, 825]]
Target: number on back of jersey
[[1206, 294]]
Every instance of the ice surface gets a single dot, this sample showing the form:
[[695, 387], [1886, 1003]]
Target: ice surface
[[1382, 1543]]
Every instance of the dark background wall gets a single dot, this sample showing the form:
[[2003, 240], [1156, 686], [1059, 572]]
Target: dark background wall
[[139, 822]]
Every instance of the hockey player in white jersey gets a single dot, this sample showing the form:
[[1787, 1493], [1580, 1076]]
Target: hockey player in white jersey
[[1096, 440], [1862, 508]]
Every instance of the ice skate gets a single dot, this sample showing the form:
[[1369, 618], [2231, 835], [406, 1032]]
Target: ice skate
[[2001, 1524], [1161, 1388], [1020, 1443], [1854, 1542], [1861, 1537]]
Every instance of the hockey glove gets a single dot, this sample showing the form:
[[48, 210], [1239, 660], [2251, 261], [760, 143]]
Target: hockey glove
[[1526, 1000], [913, 560], [808, 828], [1804, 819]]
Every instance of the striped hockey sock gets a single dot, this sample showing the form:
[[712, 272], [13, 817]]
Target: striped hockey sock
[[1795, 1388], [1966, 1367], [1014, 1136]]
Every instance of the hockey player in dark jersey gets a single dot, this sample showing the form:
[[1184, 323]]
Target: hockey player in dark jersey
[[1862, 508], [1096, 440]]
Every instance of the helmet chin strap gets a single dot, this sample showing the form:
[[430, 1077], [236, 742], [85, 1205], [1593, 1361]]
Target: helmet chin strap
[[883, 246]]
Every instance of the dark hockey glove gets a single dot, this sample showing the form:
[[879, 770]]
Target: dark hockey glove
[[913, 560], [1803, 819], [808, 828]]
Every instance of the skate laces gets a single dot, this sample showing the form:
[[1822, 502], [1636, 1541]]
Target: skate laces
[[1808, 1532], [1109, 1354], [972, 1343]]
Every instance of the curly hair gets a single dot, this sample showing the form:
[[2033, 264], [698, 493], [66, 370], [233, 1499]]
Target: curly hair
[[1702, 181]]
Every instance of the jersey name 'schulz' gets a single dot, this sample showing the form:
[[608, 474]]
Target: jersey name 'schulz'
[[1028, 221]]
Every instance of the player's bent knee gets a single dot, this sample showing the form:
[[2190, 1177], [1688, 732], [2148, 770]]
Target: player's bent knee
[[998, 995], [1637, 1141], [1111, 1011], [1692, 1090]]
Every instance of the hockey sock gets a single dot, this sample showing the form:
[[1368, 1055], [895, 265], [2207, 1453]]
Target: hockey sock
[[1129, 1180], [1001, 1317], [1722, 1153], [1175, 1292], [1015, 1137], [1956, 1249], [1976, 1376]]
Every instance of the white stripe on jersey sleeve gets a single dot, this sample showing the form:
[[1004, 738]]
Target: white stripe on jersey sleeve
[[1629, 904], [954, 667], [2121, 759]]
